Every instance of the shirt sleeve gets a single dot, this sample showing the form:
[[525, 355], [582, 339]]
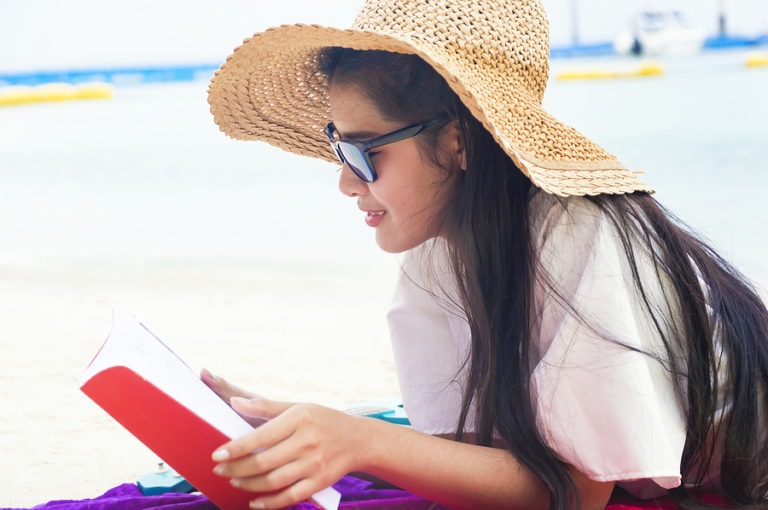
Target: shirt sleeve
[[605, 408], [430, 341]]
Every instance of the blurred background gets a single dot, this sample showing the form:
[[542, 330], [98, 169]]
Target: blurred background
[[673, 88], [50, 34]]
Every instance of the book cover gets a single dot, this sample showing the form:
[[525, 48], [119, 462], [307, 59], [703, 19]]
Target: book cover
[[157, 397]]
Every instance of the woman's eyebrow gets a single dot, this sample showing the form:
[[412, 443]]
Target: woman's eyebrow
[[357, 135]]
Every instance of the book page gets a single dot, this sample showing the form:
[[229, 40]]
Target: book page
[[132, 345]]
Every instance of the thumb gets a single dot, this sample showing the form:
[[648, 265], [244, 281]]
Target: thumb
[[259, 407]]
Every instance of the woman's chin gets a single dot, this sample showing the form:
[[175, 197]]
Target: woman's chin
[[391, 244]]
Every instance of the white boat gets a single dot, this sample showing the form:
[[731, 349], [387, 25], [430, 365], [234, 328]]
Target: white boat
[[660, 33]]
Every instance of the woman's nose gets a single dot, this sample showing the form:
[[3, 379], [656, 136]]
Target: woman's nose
[[350, 184]]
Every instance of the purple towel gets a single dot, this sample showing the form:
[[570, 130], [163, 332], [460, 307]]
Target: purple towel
[[129, 497], [356, 494]]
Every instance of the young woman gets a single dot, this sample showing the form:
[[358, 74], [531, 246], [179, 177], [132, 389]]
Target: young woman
[[557, 333]]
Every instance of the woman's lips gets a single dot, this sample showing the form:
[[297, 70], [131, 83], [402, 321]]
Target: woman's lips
[[374, 218]]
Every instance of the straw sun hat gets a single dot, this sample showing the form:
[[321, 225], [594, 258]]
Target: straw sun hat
[[493, 53]]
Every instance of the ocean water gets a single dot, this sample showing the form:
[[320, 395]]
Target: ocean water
[[147, 174], [700, 134]]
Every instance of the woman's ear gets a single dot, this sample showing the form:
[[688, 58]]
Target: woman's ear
[[455, 144]]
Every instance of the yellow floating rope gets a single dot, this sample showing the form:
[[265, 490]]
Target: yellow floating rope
[[757, 59], [646, 69], [17, 94]]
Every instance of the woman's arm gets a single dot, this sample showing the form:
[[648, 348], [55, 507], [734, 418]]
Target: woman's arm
[[305, 448], [463, 475]]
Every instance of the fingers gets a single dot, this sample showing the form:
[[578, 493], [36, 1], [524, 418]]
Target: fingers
[[259, 407], [299, 491], [275, 476], [279, 477], [264, 463], [222, 387], [301, 450], [227, 391], [207, 377], [263, 437]]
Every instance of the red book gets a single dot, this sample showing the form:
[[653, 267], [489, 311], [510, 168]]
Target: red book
[[157, 397]]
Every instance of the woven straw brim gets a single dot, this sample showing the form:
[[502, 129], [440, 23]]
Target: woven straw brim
[[269, 89]]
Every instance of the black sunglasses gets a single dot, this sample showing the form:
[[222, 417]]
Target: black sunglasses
[[355, 154]]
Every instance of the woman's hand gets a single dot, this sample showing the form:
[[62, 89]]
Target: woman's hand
[[301, 450], [226, 391]]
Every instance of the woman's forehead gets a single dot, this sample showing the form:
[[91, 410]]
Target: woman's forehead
[[355, 114]]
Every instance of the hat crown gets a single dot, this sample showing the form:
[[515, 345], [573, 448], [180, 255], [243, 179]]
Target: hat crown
[[494, 54], [511, 36]]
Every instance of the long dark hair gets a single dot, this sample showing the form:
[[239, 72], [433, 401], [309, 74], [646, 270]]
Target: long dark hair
[[486, 225]]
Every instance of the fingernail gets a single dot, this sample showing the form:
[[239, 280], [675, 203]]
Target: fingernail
[[257, 504], [220, 454], [219, 469], [234, 482]]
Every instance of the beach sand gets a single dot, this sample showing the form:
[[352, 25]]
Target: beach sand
[[275, 327]]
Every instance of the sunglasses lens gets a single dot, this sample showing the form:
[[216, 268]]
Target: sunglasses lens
[[356, 161]]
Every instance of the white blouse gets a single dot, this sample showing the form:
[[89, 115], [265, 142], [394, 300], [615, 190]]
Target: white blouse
[[609, 411]]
